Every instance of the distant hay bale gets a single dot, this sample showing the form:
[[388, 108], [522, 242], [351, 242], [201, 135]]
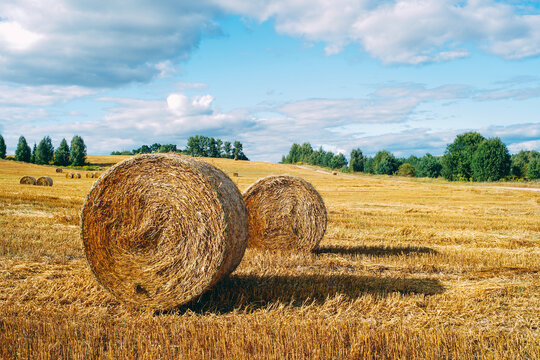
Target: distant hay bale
[[70, 175], [285, 212], [78, 175], [235, 174], [334, 172], [59, 170], [96, 175], [27, 180], [161, 229], [44, 181], [89, 175]]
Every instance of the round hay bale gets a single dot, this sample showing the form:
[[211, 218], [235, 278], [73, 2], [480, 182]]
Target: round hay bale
[[89, 175], [334, 172], [161, 229], [78, 175], [96, 175], [285, 212], [27, 180], [59, 170], [70, 175], [44, 181], [235, 174]]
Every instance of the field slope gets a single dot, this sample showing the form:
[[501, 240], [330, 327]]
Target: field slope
[[408, 269]]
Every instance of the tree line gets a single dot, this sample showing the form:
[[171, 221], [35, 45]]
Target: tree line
[[471, 157], [196, 146], [45, 154]]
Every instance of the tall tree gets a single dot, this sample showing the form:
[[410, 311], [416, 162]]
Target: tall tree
[[357, 160], [491, 161], [428, 166], [2, 148], [458, 156], [385, 163], [77, 154], [23, 152], [533, 169], [227, 149], [33, 155], [44, 151], [61, 156]]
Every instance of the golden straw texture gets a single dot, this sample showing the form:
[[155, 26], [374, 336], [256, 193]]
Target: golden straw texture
[[59, 170], [285, 212], [70, 175], [27, 180], [159, 230], [44, 181]]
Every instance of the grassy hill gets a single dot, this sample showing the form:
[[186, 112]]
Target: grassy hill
[[408, 268]]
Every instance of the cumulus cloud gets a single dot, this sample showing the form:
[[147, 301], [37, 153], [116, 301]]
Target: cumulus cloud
[[109, 43], [405, 31], [98, 43]]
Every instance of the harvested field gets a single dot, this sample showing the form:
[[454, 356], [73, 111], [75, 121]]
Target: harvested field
[[408, 268]]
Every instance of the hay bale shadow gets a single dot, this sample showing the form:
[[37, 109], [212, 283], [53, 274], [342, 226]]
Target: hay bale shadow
[[374, 250], [250, 292]]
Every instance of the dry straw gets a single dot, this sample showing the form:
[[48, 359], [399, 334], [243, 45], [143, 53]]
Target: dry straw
[[160, 229], [70, 175], [59, 170], [78, 175], [44, 181], [28, 180], [285, 212]]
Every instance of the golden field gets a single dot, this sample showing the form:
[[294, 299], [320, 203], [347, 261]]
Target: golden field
[[408, 268]]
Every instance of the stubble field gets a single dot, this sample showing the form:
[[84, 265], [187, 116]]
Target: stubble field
[[408, 268]]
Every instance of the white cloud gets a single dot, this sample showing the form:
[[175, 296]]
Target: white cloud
[[40, 95], [404, 31]]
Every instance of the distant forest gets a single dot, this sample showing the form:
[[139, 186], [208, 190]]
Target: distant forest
[[196, 146], [471, 157]]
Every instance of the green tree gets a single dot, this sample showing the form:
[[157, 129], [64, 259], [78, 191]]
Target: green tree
[[406, 169], [533, 169], [44, 152], [369, 166], [238, 151], [23, 152], [457, 159], [166, 148], [2, 148], [357, 160], [33, 155], [338, 161], [428, 166], [227, 149], [491, 161], [77, 154], [219, 146], [61, 156], [212, 148], [385, 163]]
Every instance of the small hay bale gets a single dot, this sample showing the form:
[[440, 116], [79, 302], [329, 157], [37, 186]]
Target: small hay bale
[[89, 175], [161, 229], [70, 175], [44, 181], [78, 175], [285, 212], [235, 174], [59, 170], [27, 180], [334, 172], [96, 175]]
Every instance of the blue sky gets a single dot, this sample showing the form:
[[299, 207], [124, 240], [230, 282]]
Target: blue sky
[[406, 76]]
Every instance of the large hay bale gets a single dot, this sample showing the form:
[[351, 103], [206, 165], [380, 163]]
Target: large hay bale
[[44, 181], [27, 180], [285, 212], [160, 229], [59, 170]]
